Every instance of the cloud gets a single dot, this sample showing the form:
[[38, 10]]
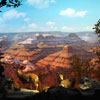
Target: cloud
[[52, 1], [3, 27], [29, 27], [1, 20], [76, 29], [66, 28], [88, 28], [13, 14], [40, 3], [50, 23], [51, 26], [72, 13], [26, 19], [32, 2], [32, 26]]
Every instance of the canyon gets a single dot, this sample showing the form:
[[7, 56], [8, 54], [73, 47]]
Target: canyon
[[44, 55]]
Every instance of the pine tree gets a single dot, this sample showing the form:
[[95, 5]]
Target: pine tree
[[80, 67], [97, 31], [10, 3], [97, 28]]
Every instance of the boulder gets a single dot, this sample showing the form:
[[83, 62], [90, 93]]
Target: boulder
[[87, 83]]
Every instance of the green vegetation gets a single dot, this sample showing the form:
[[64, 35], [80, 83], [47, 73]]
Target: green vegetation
[[97, 31], [97, 28], [80, 68], [10, 3]]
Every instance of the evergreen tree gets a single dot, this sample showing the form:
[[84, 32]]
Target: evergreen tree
[[97, 28], [97, 31], [80, 67], [10, 3]]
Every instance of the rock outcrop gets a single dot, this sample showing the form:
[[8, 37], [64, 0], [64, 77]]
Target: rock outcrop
[[59, 59], [87, 83], [31, 53], [42, 45]]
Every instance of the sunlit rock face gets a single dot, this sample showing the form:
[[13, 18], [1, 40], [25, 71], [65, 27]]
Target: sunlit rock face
[[37, 38], [10, 60], [59, 59], [28, 41], [42, 45], [28, 67], [30, 52], [22, 53], [62, 58]]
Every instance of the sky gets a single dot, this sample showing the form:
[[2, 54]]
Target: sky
[[50, 15]]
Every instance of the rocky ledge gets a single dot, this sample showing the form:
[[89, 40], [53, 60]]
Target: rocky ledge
[[56, 93]]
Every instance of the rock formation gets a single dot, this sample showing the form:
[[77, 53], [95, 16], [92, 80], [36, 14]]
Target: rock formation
[[87, 83], [42, 45], [59, 59], [23, 53], [65, 83], [28, 67], [31, 53], [30, 78]]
